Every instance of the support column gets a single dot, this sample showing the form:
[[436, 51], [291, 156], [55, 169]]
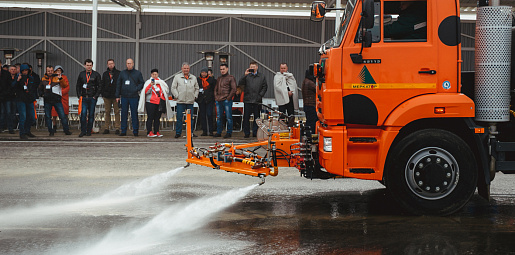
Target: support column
[[94, 28], [337, 18], [138, 28]]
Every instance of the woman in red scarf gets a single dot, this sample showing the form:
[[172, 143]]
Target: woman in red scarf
[[206, 101]]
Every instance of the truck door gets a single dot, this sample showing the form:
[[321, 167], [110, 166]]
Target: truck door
[[402, 62]]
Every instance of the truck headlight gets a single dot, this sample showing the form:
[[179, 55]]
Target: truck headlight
[[328, 144]]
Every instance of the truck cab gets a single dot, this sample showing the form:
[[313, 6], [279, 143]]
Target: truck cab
[[393, 71]]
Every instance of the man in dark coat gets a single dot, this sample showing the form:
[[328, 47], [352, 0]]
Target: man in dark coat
[[109, 80], [254, 88], [206, 101]]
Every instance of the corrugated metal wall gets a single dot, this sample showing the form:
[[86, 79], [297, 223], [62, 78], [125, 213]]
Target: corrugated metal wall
[[167, 40]]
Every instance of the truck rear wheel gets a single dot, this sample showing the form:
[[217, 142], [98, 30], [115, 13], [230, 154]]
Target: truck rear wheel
[[431, 172]]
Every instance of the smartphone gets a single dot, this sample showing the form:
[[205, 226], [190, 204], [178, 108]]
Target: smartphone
[[54, 75], [251, 70]]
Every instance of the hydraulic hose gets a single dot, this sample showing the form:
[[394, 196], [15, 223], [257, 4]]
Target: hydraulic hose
[[274, 160]]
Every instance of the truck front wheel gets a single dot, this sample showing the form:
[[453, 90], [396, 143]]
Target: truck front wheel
[[431, 172]]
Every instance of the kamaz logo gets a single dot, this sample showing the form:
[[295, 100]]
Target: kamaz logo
[[366, 77]]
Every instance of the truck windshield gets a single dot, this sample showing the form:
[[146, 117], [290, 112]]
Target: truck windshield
[[344, 23]]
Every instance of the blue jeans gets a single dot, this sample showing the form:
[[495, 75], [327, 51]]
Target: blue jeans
[[26, 111], [221, 107], [87, 115], [60, 112], [131, 103], [8, 114], [181, 108]]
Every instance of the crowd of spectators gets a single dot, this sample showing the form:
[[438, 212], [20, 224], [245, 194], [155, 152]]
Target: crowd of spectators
[[126, 90]]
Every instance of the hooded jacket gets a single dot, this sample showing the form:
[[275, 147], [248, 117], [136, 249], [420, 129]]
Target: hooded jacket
[[25, 88], [254, 87], [51, 88], [109, 81]]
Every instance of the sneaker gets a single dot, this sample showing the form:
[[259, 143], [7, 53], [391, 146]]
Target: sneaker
[[30, 134], [218, 135], [24, 137], [227, 135], [177, 135], [106, 131], [67, 132], [247, 136], [122, 134], [203, 134], [51, 134], [82, 134], [151, 134], [117, 132], [159, 135]]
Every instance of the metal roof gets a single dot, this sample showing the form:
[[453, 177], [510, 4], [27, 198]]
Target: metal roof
[[256, 7]]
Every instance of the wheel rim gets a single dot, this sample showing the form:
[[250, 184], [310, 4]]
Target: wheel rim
[[432, 173]]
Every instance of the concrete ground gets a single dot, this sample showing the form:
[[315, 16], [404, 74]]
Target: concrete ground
[[106, 194]]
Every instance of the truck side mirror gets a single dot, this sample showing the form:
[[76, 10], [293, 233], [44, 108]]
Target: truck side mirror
[[367, 39], [318, 11], [367, 13]]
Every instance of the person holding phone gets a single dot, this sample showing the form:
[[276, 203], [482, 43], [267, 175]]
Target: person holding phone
[[254, 87], [154, 101]]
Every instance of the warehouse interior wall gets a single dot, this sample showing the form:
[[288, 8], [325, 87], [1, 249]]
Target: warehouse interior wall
[[166, 41]]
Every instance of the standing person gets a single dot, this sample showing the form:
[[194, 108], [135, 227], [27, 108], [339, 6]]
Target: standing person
[[210, 73], [129, 84], [254, 87], [25, 88], [7, 98], [309, 93], [154, 100], [224, 92], [285, 88], [88, 90], [109, 80], [51, 88], [185, 90], [206, 101], [65, 99]]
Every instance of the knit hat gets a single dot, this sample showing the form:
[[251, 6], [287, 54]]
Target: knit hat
[[24, 67], [204, 69], [59, 67]]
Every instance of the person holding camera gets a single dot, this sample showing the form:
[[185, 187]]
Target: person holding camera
[[155, 101], [51, 87], [25, 89], [88, 90], [65, 97], [254, 88]]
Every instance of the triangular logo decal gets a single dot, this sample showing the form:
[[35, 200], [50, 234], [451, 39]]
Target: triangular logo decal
[[366, 77]]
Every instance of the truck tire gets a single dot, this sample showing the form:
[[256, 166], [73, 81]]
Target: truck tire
[[431, 172]]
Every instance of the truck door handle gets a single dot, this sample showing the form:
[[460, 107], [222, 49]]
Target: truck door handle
[[428, 71]]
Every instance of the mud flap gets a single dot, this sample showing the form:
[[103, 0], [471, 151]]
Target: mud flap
[[481, 144]]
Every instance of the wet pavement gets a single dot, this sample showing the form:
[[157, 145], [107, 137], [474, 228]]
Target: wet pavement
[[56, 197]]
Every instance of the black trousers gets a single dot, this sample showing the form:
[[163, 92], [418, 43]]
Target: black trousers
[[288, 108], [205, 115], [248, 110], [153, 117]]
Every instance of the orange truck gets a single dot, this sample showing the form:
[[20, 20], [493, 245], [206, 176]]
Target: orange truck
[[394, 106]]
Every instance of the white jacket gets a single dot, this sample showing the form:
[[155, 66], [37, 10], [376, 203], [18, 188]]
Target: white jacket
[[164, 87], [283, 81]]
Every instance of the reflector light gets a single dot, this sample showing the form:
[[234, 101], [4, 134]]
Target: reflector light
[[439, 110]]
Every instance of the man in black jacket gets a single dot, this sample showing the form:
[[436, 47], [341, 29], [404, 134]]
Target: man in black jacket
[[88, 90], [25, 88], [254, 88], [109, 80], [129, 84]]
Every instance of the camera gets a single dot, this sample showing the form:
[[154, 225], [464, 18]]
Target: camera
[[251, 70]]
